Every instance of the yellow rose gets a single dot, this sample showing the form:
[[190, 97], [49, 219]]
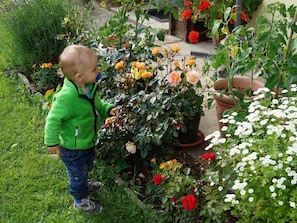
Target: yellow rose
[[163, 166], [175, 48], [135, 73], [133, 64], [156, 51], [190, 62]]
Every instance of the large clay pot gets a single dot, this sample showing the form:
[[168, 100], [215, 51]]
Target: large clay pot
[[225, 102]]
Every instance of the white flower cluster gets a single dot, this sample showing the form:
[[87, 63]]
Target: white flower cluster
[[262, 151]]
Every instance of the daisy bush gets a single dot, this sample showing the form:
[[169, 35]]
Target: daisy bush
[[255, 172]]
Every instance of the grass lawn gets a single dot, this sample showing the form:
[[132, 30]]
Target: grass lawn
[[33, 183]]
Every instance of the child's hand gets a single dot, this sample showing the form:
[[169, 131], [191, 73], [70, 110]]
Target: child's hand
[[114, 112], [54, 150]]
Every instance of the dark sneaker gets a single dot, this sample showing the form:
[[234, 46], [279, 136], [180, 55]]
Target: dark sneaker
[[94, 186], [88, 206]]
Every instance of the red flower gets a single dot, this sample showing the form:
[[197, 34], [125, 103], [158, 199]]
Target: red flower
[[204, 5], [189, 202], [187, 3], [244, 16], [208, 156], [193, 37], [187, 14], [173, 199], [158, 179]]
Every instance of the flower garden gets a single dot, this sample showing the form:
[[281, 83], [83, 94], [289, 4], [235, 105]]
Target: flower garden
[[247, 173]]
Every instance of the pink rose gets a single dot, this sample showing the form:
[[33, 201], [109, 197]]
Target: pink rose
[[174, 77]]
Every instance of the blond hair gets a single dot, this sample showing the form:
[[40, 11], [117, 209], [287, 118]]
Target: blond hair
[[73, 58]]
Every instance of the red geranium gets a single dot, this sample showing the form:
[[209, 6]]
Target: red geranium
[[193, 37], [244, 16], [208, 156], [189, 202], [187, 3], [204, 5], [158, 179], [187, 14]]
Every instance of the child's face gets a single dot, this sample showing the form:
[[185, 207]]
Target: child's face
[[90, 70]]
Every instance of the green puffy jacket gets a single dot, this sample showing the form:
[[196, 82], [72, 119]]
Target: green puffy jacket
[[74, 119]]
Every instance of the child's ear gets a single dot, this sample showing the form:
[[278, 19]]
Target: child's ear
[[78, 77]]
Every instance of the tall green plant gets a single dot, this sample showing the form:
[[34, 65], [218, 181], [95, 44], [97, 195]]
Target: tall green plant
[[267, 51], [33, 26]]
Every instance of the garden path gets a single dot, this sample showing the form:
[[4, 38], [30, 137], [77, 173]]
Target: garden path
[[209, 122]]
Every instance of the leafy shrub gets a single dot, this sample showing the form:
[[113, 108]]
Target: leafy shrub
[[33, 26]]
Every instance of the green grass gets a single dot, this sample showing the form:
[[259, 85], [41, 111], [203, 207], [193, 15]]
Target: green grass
[[34, 184]]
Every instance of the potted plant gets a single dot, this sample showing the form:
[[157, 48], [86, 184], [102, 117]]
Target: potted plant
[[208, 11], [266, 52]]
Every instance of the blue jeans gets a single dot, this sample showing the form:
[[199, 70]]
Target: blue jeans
[[78, 163]]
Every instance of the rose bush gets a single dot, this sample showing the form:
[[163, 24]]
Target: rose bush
[[157, 95], [174, 188]]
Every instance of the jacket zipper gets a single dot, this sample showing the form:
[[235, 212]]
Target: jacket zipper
[[76, 135]]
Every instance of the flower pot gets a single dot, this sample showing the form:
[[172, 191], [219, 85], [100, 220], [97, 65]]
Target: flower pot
[[181, 28], [225, 102], [192, 126]]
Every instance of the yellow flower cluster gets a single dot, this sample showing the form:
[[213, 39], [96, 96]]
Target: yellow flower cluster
[[140, 70]]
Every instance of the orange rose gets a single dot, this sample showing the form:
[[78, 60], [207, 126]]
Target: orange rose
[[119, 65], [146, 75], [176, 64], [140, 65]]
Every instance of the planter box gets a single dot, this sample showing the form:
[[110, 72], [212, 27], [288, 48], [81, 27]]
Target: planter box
[[181, 28]]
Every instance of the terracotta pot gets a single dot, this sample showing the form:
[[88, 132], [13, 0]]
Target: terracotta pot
[[225, 102]]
